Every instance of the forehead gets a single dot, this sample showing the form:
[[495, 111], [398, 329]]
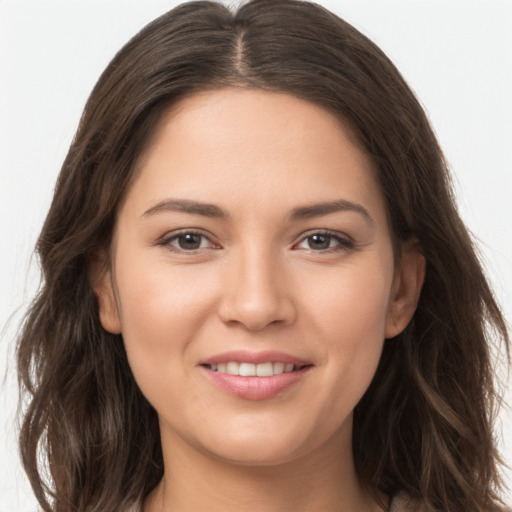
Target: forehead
[[252, 146], [252, 117]]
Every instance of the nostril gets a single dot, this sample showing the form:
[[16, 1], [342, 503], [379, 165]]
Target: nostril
[[256, 316]]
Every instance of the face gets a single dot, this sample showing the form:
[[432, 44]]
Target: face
[[253, 277]]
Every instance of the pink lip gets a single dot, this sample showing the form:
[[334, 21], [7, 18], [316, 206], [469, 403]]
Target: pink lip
[[244, 356], [255, 388]]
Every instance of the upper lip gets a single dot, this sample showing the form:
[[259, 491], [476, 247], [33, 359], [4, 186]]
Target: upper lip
[[244, 356]]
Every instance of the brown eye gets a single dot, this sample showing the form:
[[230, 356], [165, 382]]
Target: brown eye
[[319, 242], [189, 241], [325, 242]]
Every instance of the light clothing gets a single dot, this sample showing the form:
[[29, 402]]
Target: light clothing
[[400, 503]]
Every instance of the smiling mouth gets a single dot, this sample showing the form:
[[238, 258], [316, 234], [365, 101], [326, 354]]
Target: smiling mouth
[[267, 369]]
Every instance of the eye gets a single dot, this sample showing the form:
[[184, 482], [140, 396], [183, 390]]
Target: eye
[[187, 241], [324, 241]]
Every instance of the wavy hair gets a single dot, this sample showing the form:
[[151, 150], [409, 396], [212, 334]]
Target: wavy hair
[[89, 438]]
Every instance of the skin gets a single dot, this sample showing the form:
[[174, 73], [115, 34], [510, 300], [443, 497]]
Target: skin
[[256, 281]]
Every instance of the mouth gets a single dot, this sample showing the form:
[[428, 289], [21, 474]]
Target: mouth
[[255, 375], [266, 369]]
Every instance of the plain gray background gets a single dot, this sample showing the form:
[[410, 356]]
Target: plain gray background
[[455, 54]]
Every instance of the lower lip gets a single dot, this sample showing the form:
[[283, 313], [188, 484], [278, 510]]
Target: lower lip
[[255, 388]]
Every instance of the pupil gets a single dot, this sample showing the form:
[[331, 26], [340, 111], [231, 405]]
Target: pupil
[[319, 242], [189, 241]]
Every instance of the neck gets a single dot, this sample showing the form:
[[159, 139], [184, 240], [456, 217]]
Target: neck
[[324, 481]]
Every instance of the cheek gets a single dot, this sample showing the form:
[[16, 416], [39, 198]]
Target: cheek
[[350, 316], [162, 309], [352, 303], [160, 297]]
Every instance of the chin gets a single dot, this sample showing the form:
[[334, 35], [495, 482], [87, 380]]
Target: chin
[[256, 454], [271, 448]]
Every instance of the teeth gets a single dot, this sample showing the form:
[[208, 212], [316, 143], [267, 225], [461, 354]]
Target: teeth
[[246, 369], [265, 370], [232, 368], [253, 370], [278, 368]]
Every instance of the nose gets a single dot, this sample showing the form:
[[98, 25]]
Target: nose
[[256, 294]]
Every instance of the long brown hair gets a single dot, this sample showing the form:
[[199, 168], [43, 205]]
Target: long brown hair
[[425, 424]]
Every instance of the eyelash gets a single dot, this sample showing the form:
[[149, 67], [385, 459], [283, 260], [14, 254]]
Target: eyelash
[[343, 243], [167, 241]]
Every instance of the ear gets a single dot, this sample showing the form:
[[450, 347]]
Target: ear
[[103, 287], [405, 291]]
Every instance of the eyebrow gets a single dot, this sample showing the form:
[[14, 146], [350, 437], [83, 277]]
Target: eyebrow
[[341, 205], [188, 206], [214, 211]]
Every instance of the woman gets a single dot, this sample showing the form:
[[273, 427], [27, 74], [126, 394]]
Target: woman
[[258, 292]]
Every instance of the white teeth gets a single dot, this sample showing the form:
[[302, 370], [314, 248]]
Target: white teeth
[[252, 370], [278, 368], [232, 368], [264, 370], [247, 370]]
